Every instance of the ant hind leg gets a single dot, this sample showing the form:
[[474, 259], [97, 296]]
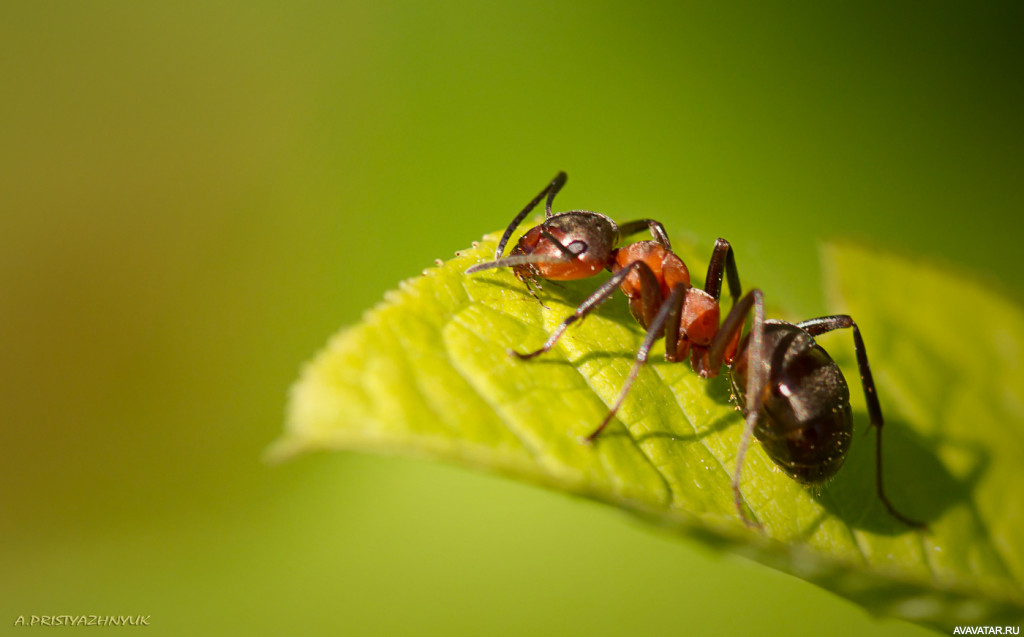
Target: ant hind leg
[[825, 324], [757, 376]]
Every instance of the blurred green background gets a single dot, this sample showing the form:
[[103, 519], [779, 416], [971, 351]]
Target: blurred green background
[[193, 197]]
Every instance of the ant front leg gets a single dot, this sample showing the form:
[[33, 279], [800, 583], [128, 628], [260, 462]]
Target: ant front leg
[[825, 324], [672, 307], [657, 231], [597, 298], [757, 376]]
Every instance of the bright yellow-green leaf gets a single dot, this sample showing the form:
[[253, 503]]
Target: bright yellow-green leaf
[[427, 373]]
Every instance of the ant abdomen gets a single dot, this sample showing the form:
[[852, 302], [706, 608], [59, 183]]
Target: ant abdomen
[[805, 423]]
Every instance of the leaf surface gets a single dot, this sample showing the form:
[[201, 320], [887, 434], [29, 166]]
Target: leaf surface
[[427, 373]]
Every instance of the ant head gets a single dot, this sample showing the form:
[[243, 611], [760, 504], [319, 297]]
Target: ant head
[[571, 245]]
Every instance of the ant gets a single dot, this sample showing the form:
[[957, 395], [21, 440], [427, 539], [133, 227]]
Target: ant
[[793, 395]]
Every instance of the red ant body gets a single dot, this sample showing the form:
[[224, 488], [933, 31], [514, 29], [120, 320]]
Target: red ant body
[[802, 417]]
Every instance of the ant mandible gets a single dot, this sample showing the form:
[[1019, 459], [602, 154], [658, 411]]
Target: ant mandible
[[802, 417]]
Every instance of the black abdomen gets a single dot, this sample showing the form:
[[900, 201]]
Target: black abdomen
[[805, 424]]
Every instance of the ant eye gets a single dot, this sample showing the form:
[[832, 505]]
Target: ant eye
[[577, 247]]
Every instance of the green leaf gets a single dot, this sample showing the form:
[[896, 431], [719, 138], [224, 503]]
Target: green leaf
[[427, 373]]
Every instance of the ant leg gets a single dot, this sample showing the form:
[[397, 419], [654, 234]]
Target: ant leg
[[657, 231], [530, 285], [550, 190], [672, 305], [818, 326], [757, 375], [597, 298], [672, 328], [731, 327], [723, 257]]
